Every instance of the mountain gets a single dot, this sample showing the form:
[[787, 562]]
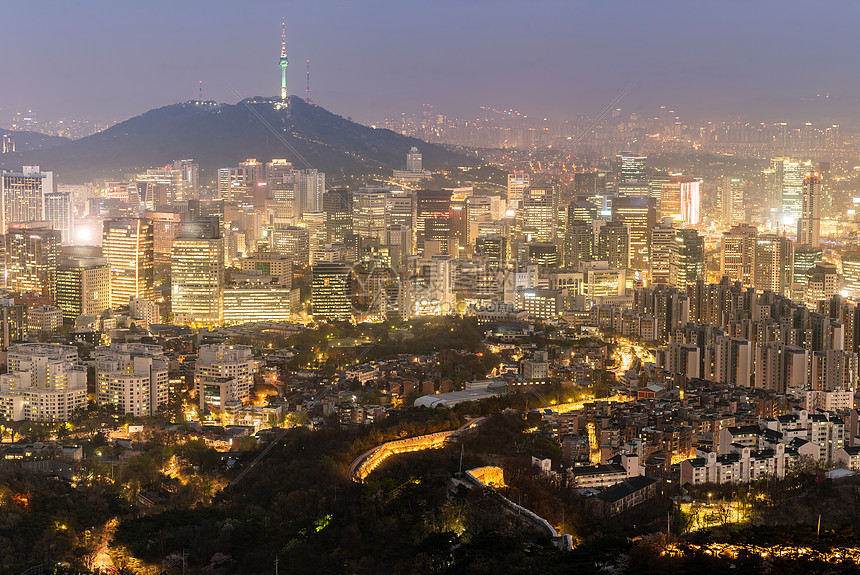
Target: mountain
[[29, 141], [221, 135]]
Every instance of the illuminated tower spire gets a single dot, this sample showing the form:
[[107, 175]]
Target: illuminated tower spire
[[283, 62]]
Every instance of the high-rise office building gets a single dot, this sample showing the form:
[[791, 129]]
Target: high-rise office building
[[330, 292], [613, 245], [431, 205], [639, 214], [793, 172], [7, 144], [83, 286], [164, 226], [271, 264], [189, 175], [338, 215], [518, 182], [591, 186], [821, 281], [578, 243], [536, 218], [368, 215], [664, 252], [310, 187], [690, 264], [60, 212], [738, 254], [292, 242], [582, 209], [32, 254], [494, 247], [630, 174], [160, 187], [197, 275], [414, 161], [480, 210], [732, 207], [279, 179], [851, 274], [128, 245], [809, 224], [805, 258], [826, 175], [681, 199], [22, 196], [774, 256]]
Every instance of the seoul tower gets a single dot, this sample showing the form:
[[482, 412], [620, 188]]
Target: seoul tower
[[283, 62]]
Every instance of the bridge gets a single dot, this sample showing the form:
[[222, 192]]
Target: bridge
[[364, 464]]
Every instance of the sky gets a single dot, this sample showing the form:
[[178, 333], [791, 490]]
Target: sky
[[370, 59]]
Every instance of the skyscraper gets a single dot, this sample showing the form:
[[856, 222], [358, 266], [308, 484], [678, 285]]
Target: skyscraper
[[59, 211], [518, 181], [309, 189], [368, 213], [330, 292], [738, 254], [809, 224], [793, 172], [630, 175], [664, 252], [805, 258], [578, 243], [430, 205], [83, 286], [690, 264], [613, 245], [338, 215], [128, 244], [681, 199], [537, 215], [732, 207], [32, 249], [820, 283], [639, 214], [851, 273], [774, 256], [197, 275], [22, 195]]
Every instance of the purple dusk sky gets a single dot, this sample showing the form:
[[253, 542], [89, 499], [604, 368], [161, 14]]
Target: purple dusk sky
[[370, 59]]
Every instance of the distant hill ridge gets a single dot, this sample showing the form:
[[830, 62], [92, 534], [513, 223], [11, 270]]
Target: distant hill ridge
[[222, 135], [27, 141]]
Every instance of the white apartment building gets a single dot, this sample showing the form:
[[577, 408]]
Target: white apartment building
[[224, 373], [43, 383], [132, 376]]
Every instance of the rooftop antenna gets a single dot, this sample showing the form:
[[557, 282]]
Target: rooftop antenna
[[308, 88]]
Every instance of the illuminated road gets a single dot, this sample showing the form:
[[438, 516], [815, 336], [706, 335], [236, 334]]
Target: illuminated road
[[567, 407], [836, 555], [364, 464]]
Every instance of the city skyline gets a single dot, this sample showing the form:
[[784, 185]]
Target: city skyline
[[733, 61]]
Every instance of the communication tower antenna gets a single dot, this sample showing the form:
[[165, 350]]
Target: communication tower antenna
[[200, 86], [308, 87]]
